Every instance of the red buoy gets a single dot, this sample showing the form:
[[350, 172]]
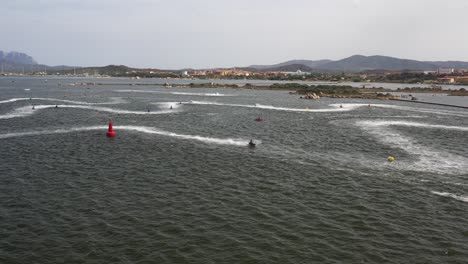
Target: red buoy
[[110, 131]]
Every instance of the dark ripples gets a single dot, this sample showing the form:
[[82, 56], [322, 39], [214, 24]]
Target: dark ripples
[[317, 190]]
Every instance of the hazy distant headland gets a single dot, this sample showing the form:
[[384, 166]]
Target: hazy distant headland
[[356, 68]]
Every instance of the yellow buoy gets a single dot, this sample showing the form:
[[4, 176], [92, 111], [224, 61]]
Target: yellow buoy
[[391, 159]]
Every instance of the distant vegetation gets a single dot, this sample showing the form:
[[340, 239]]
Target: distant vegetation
[[357, 68], [317, 89], [329, 89], [359, 63], [405, 77]]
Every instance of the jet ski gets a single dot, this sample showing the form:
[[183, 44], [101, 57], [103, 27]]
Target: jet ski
[[259, 119], [252, 144]]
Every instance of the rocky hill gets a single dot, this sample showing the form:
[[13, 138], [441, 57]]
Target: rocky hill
[[308, 63], [360, 63], [14, 57]]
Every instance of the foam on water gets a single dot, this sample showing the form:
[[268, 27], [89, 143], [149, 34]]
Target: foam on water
[[199, 94], [456, 183], [335, 107], [48, 132], [133, 91], [429, 159], [411, 124], [462, 198], [168, 105], [398, 116], [405, 108], [413, 109], [142, 129], [114, 100], [27, 110], [175, 93], [13, 100], [151, 130], [18, 112]]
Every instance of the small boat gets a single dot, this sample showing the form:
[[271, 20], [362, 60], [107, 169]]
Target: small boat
[[252, 144], [259, 119]]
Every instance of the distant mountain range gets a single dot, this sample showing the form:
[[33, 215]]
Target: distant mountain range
[[16, 58], [309, 63], [17, 62], [360, 63]]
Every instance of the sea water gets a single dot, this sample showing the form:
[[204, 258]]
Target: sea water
[[178, 184]]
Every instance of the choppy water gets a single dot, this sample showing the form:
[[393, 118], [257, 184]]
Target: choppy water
[[180, 185]]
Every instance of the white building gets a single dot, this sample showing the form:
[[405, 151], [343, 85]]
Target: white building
[[446, 71], [297, 73]]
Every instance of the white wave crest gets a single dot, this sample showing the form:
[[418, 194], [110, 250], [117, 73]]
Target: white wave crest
[[429, 159], [413, 109], [169, 105], [114, 100], [335, 107], [411, 124], [151, 130], [199, 94], [48, 132], [407, 108], [462, 198], [175, 93], [28, 110], [142, 129], [18, 112]]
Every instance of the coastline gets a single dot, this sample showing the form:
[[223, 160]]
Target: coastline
[[310, 81]]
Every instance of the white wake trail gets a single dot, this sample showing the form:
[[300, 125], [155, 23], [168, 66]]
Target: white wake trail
[[141, 129], [49, 132], [462, 198], [169, 105], [175, 93], [28, 110], [413, 109], [335, 107], [429, 159], [410, 124], [151, 130], [114, 100]]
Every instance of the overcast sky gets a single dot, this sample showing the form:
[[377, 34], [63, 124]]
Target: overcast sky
[[219, 33]]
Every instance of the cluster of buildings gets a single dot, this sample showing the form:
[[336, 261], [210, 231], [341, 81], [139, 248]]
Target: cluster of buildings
[[440, 76], [244, 73], [219, 72], [450, 76], [453, 79]]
